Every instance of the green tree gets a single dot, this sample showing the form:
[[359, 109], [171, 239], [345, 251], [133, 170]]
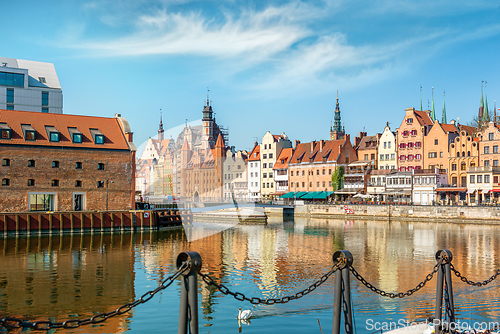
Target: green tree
[[338, 178]]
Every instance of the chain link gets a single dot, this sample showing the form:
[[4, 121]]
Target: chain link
[[270, 301], [466, 280], [398, 294], [12, 323]]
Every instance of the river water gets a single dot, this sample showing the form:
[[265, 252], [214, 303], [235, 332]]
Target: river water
[[70, 277]]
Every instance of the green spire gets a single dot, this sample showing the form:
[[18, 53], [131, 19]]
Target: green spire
[[433, 114], [443, 120], [486, 116], [421, 98]]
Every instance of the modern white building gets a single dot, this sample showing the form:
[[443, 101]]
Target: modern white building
[[29, 86], [425, 182]]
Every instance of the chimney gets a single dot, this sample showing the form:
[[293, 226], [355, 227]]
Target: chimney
[[312, 145], [321, 144], [297, 142]]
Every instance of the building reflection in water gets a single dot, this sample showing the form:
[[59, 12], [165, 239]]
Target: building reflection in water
[[83, 275]]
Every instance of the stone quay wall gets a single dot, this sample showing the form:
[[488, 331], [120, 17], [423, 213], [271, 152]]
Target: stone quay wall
[[449, 214]]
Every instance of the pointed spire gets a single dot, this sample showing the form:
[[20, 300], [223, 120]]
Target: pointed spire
[[208, 100], [185, 146], [443, 120], [433, 113], [486, 116], [421, 98]]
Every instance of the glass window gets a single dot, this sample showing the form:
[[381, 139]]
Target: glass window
[[491, 136], [495, 149], [486, 163], [11, 79], [31, 163], [454, 167], [495, 163], [78, 183], [270, 165], [45, 98], [54, 136], [10, 95], [77, 137], [463, 166], [435, 142], [78, 165], [100, 184], [31, 182], [472, 179], [486, 149], [264, 165], [42, 202], [270, 155], [6, 162], [487, 178], [55, 164], [100, 166], [5, 182], [10, 107], [479, 179], [55, 183], [264, 156]]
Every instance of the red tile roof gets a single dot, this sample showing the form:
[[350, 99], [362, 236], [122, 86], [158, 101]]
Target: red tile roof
[[254, 154], [113, 136], [330, 152], [449, 128], [285, 155], [423, 117]]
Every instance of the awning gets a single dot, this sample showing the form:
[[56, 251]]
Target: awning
[[288, 195], [451, 190], [311, 195], [470, 191], [495, 190], [485, 191], [300, 194]]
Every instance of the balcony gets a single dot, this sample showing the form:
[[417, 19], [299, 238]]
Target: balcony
[[494, 169]]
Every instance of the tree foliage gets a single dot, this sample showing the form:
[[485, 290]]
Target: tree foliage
[[338, 178]]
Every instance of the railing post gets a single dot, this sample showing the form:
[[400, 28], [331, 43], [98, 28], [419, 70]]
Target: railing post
[[444, 274], [188, 309], [342, 297]]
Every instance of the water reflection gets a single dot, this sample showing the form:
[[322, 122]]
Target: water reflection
[[60, 277]]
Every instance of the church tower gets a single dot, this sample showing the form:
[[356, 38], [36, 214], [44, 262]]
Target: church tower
[[337, 131], [207, 139], [160, 130]]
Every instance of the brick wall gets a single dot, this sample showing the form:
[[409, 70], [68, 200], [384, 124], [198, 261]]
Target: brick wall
[[118, 169]]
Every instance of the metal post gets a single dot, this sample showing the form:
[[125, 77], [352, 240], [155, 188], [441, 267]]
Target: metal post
[[449, 292], [446, 256], [342, 298], [188, 309]]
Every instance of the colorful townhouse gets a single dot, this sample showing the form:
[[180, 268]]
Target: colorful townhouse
[[387, 149], [436, 144], [410, 139], [270, 148]]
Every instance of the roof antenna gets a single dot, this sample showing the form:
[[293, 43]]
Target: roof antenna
[[208, 92]]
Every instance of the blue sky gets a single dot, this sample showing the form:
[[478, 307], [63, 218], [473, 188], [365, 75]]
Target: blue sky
[[270, 65]]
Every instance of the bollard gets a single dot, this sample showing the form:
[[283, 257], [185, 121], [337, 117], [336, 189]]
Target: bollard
[[444, 274], [342, 297], [188, 310]]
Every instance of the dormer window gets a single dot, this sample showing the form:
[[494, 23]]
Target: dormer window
[[5, 131], [76, 135], [97, 136], [42, 80], [28, 132], [52, 133]]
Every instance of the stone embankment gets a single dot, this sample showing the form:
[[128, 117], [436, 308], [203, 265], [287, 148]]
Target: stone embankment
[[431, 213]]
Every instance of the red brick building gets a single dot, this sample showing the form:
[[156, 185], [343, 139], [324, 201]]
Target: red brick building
[[58, 162]]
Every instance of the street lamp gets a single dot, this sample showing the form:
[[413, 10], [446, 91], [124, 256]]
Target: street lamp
[[107, 182]]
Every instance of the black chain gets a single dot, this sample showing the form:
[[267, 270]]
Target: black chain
[[9, 322], [398, 294], [256, 300], [465, 280]]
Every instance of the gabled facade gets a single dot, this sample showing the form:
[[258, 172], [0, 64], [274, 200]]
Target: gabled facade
[[56, 162], [269, 150], [281, 171], [410, 139], [235, 183], [312, 164], [387, 149], [464, 154], [254, 173], [436, 144], [489, 142], [367, 149]]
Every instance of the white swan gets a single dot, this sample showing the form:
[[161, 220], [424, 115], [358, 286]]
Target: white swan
[[244, 315]]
